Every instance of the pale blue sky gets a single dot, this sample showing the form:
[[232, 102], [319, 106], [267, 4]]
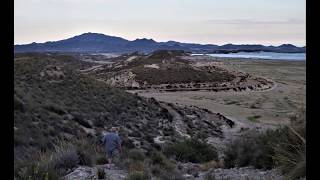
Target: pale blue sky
[[268, 22]]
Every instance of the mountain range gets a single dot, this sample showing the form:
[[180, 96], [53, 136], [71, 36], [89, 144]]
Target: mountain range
[[101, 43]]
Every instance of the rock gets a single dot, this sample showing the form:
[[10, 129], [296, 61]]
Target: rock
[[81, 173], [245, 173], [85, 173], [187, 176]]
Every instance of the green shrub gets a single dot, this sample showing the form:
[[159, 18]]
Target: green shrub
[[253, 148], [290, 154], [101, 159], [54, 108], [85, 158], [283, 148], [18, 105], [210, 176], [254, 118], [98, 122], [48, 165], [138, 175], [192, 150], [101, 174], [37, 170], [166, 173], [261, 150], [158, 158], [80, 119], [64, 157], [87, 151], [136, 155], [54, 163]]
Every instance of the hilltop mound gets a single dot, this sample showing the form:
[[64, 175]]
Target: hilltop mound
[[161, 54], [166, 70]]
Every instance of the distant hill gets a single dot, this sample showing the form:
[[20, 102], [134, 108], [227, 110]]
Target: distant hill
[[96, 42]]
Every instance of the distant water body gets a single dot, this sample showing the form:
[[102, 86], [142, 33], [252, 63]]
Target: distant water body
[[262, 55]]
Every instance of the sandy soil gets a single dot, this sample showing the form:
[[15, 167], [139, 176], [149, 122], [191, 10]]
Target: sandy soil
[[271, 107]]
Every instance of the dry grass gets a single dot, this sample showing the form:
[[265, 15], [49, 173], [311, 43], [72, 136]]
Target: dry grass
[[290, 154]]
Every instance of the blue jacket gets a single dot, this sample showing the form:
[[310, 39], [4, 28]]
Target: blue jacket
[[111, 141]]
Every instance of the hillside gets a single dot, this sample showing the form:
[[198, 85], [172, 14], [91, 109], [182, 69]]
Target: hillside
[[96, 42], [54, 102], [61, 111]]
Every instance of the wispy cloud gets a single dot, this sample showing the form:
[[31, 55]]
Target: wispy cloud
[[255, 21]]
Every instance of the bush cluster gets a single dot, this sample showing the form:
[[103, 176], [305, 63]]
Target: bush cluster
[[191, 150], [58, 162], [283, 148]]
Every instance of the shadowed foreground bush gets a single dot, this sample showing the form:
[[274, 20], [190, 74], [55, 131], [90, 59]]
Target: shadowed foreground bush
[[57, 163], [49, 165], [192, 150], [253, 149], [138, 175], [143, 165], [283, 148], [290, 154]]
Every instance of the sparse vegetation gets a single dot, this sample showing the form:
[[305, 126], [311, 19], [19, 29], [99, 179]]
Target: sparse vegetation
[[101, 173], [209, 176], [138, 175], [179, 73], [252, 149], [191, 150], [72, 107], [136, 155], [290, 154], [232, 102], [283, 148], [50, 164], [254, 118]]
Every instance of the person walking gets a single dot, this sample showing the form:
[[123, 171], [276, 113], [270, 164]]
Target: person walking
[[112, 143]]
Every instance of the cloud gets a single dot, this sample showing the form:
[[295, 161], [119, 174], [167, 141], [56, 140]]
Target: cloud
[[257, 22]]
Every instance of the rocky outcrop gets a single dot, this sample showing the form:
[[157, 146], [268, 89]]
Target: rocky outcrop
[[245, 173], [189, 171], [196, 172], [123, 80], [85, 173]]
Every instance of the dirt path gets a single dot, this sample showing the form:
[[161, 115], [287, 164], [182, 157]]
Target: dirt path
[[179, 125]]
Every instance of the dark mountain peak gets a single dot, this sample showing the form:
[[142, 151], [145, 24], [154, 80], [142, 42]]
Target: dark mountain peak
[[144, 40], [228, 45], [287, 46], [172, 41], [94, 37], [92, 34]]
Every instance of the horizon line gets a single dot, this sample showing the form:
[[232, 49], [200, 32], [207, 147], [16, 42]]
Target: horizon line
[[159, 41]]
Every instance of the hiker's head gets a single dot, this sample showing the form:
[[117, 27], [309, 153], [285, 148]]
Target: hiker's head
[[114, 129]]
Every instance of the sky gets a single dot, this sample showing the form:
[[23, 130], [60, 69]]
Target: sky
[[267, 22]]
